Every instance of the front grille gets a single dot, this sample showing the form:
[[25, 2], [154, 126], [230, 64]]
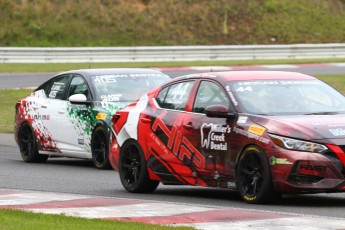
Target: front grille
[[303, 178]]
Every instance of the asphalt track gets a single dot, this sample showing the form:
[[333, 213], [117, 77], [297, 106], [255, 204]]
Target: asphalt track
[[75, 176], [23, 80]]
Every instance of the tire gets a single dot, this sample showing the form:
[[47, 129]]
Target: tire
[[254, 180], [133, 169], [28, 145], [100, 148]]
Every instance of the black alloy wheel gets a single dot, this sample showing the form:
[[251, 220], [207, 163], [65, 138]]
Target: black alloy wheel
[[100, 148], [28, 145], [254, 177], [133, 171]]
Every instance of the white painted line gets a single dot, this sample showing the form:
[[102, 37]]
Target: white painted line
[[279, 66], [131, 210], [211, 68]]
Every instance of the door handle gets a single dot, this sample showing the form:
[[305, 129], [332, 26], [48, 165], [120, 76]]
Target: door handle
[[61, 111]]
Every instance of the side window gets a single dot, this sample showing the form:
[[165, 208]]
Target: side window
[[209, 93], [78, 86], [161, 96], [177, 96], [57, 88]]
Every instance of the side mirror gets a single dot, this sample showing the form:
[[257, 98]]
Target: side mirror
[[219, 111], [78, 99]]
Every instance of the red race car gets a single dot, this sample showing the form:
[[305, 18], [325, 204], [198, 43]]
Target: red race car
[[262, 133]]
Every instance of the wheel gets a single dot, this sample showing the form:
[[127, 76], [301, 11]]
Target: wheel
[[28, 145], [254, 177], [100, 148], [133, 169]]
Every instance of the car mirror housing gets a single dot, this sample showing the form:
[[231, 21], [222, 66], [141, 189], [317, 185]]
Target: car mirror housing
[[219, 111], [78, 99]]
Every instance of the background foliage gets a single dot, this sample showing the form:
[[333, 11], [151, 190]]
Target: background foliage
[[170, 22]]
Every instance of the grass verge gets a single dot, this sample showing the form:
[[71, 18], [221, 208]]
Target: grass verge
[[15, 219], [9, 97], [58, 67]]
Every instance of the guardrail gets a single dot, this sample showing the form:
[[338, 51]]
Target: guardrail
[[169, 53]]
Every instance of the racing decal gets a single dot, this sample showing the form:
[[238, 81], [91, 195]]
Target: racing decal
[[179, 144], [258, 130], [275, 82], [26, 111], [112, 107], [129, 129], [101, 116], [231, 95], [242, 120], [337, 132], [213, 136], [111, 97], [41, 117], [251, 135], [82, 119], [279, 161]]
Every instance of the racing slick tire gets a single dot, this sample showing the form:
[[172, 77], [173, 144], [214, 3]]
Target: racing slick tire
[[28, 145], [133, 169], [100, 148], [254, 180]]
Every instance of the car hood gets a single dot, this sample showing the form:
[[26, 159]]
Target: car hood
[[307, 127]]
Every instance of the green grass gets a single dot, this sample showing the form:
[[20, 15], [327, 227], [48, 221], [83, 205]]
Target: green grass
[[59, 67], [170, 22], [9, 97], [14, 219]]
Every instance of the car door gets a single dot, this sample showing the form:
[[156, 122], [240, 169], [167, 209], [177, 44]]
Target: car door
[[63, 124], [210, 136], [166, 145]]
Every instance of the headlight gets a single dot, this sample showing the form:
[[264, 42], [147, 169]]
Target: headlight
[[293, 144]]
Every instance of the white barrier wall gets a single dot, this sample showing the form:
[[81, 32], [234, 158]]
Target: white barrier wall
[[169, 53]]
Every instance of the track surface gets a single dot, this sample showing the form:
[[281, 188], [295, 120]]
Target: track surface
[[80, 177], [20, 80]]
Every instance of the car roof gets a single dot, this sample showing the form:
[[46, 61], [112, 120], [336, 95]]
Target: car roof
[[111, 71], [250, 75]]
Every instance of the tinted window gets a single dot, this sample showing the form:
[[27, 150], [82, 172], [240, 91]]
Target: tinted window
[[126, 87], [78, 86], [284, 97], [177, 96], [55, 88], [209, 93], [161, 96]]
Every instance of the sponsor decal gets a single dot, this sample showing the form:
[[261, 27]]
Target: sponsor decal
[[41, 117], [231, 95], [242, 120], [279, 161], [249, 198], [101, 116], [258, 130], [308, 82], [179, 144], [337, 132], [251, 135], [111, 97], [80, 141], [213, 136], [231, 185]]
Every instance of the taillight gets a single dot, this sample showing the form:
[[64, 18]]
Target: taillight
[[115, 118], [17, 107]]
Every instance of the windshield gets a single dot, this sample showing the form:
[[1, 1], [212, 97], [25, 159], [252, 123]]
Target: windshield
[[126, 87], [284, 97]]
